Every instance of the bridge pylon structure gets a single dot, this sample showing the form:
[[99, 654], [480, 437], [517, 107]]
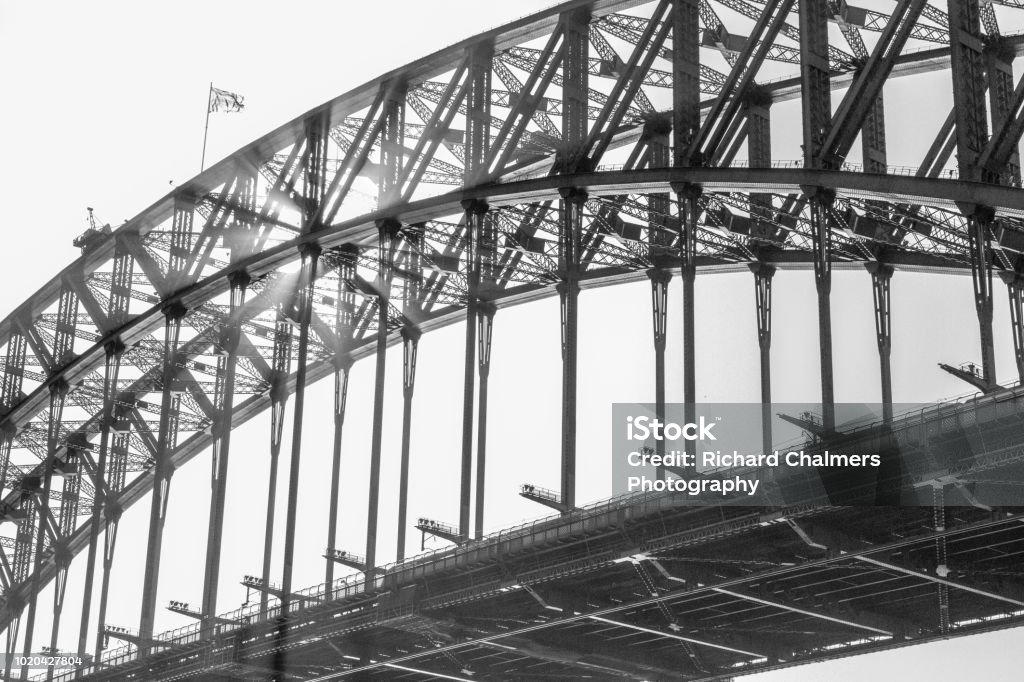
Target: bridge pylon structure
[[599, 142]]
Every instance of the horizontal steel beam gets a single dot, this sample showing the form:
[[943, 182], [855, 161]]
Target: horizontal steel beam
[[672, 635], [792, 608], [931, 577]]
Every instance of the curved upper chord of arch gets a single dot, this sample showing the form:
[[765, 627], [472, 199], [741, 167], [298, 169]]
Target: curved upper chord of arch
[[594, 143]]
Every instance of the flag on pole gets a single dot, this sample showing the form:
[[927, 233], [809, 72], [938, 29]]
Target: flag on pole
[[222, 100]]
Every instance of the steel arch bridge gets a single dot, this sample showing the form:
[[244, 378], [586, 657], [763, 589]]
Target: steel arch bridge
[[599, 142]]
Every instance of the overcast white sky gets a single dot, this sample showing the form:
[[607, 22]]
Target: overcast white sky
[[104, 107]]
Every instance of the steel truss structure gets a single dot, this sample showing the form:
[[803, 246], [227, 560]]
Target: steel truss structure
[[587, 145]]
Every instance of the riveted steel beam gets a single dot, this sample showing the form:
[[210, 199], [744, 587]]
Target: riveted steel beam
[[815, 77], [685, 78], [478, 110], [967, 67]]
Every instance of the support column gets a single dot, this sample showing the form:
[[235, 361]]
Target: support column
[[659, 244], [881, 275], [281, 368], [343, 326], [412, 293], [979, 219], [304, 307], [222, 449], [387, 231], [410, 344], [162, 473], [821, 239], [568, 290], [121, 284], [1015, 289], [816, 114], [60, 354], [112, 514], [57, 394], [763, 274], [475, 212], [342, 367], [485, 325], [23, 559], [659, 313], [689, 213]]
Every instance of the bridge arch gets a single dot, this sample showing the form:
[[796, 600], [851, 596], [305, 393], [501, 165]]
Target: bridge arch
[[174, 263]]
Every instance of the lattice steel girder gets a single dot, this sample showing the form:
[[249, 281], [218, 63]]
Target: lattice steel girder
[[437, 126], [876, 21], [835, 58], [860, 98], [627, 86], [997, 162], [536, 84], [734, 92]]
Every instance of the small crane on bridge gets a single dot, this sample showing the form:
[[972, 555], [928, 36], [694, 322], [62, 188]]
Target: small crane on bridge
[[93, 234]]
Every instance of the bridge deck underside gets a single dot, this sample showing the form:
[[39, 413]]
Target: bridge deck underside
[[649, 590]]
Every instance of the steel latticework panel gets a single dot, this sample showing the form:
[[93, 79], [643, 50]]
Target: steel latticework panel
[[584, 146]]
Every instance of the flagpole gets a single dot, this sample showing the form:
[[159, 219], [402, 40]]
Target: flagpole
[[206, 130]]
